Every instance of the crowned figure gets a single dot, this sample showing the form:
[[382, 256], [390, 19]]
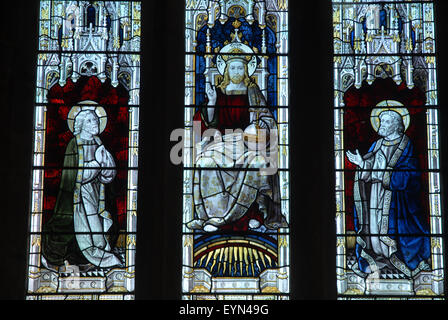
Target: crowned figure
[[229, 192]]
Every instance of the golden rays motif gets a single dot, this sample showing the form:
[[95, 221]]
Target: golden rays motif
[[257, 259], [247, 259], [209, 256], [240, 254], [215, 255], [226, 254], [235, 257]]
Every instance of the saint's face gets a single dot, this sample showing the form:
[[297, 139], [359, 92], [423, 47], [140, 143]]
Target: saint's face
[[236, 71], [388, 125], [90, 124]]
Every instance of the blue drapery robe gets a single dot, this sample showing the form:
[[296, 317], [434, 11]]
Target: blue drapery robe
[[407, 225]]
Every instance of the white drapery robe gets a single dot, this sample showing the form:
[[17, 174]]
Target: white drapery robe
[[373, 171], [91, 220], [221, 195]]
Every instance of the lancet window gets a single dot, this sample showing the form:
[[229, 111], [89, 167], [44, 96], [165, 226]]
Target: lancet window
[[236, 169], [386, 140], [82, 219]]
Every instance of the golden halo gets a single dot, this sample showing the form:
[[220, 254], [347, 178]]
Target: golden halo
[[389, 105], [87, 105]]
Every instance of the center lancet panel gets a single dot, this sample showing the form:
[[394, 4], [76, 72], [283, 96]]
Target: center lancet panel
[[235, 153]]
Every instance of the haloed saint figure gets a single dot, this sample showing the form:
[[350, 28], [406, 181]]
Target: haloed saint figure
[[77, 232], [389, 220], [225, 198]]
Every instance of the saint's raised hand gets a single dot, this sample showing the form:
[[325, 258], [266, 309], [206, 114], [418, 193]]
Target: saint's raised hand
[[355, 158], [211, 93]]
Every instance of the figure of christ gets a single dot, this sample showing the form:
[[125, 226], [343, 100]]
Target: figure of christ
[[389, 220], [76, 234], [234, 199]]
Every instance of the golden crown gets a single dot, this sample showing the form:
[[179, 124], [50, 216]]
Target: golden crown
[[235, 55]]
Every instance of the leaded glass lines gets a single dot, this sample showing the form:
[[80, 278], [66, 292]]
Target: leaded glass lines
[[386, 143], [85, 161], [236, 213]]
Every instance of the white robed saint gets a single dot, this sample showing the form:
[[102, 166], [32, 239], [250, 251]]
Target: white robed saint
[[97, 168]]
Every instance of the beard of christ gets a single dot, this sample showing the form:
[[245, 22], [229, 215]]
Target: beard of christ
[[237, 79]]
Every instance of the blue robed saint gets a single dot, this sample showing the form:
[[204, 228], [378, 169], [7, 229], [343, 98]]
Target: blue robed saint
[[389, 221]]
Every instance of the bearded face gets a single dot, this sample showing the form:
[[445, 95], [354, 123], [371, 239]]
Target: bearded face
[[388, 125], [236, 71], [90, 124]]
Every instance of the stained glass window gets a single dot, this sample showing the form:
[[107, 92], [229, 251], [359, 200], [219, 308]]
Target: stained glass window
[[83, 212], [235, 155], [386, 140]]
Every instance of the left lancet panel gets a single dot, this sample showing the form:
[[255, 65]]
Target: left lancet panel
[[83, 199]]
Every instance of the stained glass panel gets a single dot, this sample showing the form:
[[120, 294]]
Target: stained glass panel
[[82, 238], [386, 138], [236, 147]]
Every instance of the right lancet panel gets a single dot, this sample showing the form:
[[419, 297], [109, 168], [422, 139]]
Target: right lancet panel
[[386, 140]]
